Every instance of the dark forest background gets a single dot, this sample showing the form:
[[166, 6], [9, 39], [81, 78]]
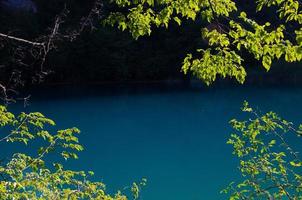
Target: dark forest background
[[109, 55]]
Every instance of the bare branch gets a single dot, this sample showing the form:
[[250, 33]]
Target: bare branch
[[28, 57], [21, 40]]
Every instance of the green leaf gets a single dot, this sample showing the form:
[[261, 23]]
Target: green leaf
[[177, 20], [266, 62]]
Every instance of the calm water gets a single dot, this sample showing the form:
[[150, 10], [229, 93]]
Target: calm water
[[173, 136]]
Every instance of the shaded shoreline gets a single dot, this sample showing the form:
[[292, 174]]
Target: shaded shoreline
[[266, 79]]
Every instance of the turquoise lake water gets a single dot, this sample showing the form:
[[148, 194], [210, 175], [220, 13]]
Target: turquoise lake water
[[174, 136]]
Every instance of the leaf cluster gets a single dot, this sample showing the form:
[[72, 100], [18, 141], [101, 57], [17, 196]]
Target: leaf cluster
[[228, 30], [271, 169], [32, 177]]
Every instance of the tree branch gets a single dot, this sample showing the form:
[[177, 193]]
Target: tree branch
[[21, 40]]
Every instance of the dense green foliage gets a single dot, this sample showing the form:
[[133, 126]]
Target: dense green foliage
[[270, 167], [32, 176], [230, 31]]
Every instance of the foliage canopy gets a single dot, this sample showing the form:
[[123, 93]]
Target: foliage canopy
[[229, 30]]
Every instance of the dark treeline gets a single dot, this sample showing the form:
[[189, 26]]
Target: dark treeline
[[109, 55]]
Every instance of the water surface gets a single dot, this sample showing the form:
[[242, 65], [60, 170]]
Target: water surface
[[173, 136]]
